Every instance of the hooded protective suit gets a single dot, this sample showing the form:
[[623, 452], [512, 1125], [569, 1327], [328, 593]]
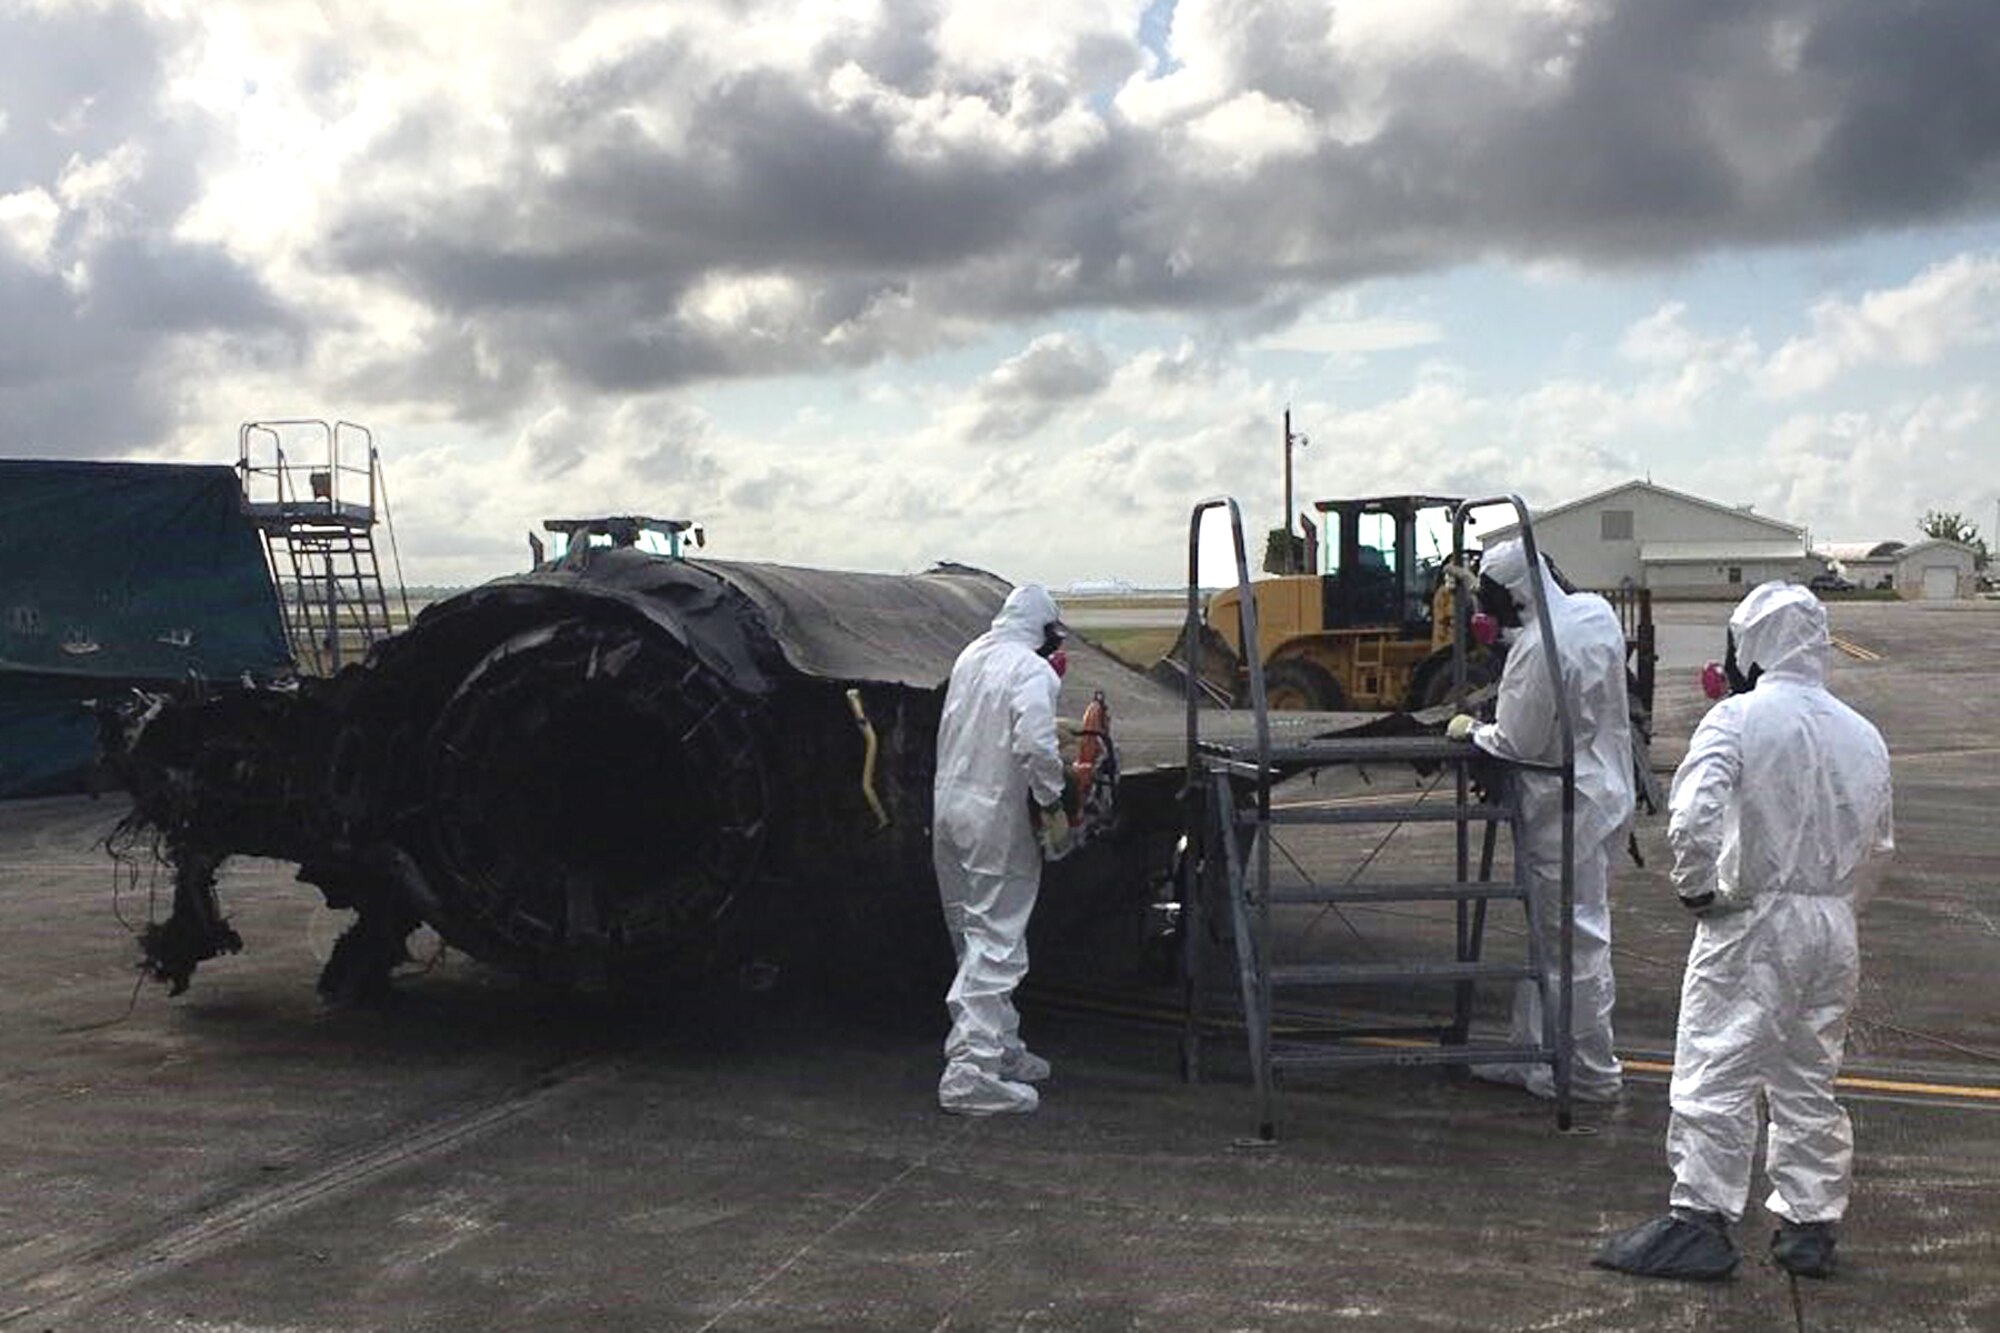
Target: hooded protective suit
[[1781, 810], [1590, 647], [996, 750]]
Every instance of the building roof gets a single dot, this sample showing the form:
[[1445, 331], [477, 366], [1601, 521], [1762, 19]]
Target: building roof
[[1859, 550], [1636, 484], [1716, 553], [1932, 543]]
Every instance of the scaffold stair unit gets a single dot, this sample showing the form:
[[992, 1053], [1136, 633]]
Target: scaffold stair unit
[[315, 491], [1234, 827]]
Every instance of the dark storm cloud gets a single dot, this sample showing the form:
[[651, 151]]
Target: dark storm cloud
[[1620, 154], [595, 249], [1921, 88], [93, 73], [1647, 148], [92, 373], [798, 186], [1665, 140], [146, 285], [587, 267], [92, 327]]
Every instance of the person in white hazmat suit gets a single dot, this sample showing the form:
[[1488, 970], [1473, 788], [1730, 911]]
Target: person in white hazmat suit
[[996, 752], [1590, 648], [1780, 819]]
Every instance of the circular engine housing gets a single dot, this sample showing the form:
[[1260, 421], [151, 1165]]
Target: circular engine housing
[[597, 799]]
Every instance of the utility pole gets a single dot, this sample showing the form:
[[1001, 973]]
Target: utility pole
[[1291, 438], [1288, 474]]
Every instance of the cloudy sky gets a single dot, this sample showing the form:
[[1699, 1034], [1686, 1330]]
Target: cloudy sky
[[871, 283]]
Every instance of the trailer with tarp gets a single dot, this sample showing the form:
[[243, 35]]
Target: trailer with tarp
[[115, 576]]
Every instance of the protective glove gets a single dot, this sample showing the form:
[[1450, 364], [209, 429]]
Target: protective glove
[[1055, 833], [1460, 727], [1711, 902], [1701, 904]]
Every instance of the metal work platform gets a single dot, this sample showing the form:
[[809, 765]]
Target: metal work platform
[[1234, 826], [315, 491]]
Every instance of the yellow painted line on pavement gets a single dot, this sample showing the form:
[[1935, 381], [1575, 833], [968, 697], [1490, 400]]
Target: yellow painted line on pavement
[[1858, 1083], [1855, 1081], [1856, 651], [1919, 1089]]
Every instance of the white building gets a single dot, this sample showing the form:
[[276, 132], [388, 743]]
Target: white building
[[1678, 544], [1936, 569], [1099, 588], [1933, 569]]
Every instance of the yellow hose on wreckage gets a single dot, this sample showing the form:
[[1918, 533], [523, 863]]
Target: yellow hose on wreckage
[[869, 747]]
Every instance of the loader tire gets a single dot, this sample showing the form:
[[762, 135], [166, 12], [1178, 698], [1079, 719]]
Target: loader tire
[[1434, 686], [1297, 684]]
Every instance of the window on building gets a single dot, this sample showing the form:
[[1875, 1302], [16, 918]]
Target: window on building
[[1615, 525], [1736, 573]]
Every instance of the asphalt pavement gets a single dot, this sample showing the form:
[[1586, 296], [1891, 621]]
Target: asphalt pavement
[[488, 1155]]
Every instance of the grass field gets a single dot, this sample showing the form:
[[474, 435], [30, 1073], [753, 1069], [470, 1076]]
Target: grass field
[[1139, 646], [1132, 601]]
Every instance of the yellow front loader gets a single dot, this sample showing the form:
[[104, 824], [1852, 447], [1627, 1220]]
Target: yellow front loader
[[1369, 629]]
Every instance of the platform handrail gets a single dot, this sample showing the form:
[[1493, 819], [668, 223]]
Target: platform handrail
[[330, 480], [1564, 1043], [1246, 620], [315, 491], [1255, 981]]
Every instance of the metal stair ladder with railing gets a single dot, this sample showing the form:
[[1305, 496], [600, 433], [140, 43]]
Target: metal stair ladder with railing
[[1234, 828]]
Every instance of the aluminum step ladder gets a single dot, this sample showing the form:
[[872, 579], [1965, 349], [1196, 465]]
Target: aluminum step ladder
[[338, 604], [1233, 828]]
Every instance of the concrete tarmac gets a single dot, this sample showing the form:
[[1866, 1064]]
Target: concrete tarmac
[[487, 1155]]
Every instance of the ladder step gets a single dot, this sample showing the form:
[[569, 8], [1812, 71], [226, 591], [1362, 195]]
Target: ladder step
[[1235, 768], [1455, 891], [1371, 974], [1292, 1055], [333, 603], [1443, 813], [1363, 749]]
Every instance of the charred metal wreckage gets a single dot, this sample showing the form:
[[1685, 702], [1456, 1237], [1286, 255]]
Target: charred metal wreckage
[[618, 769]]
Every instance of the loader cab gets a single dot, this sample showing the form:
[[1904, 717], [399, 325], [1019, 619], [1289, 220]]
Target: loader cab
[[1378, 560]]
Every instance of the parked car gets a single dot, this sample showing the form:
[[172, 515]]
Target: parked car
[[1828, 581]]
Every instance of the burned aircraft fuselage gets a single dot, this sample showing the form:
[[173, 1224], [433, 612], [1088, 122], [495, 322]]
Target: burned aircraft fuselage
[[618, 770]]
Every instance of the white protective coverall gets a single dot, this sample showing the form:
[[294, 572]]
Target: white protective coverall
[[996, 749], [1782, 810], [1590, 645]]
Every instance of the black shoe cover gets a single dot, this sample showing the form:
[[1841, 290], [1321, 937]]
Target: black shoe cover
[[1804, 1248], [1673, 1246]]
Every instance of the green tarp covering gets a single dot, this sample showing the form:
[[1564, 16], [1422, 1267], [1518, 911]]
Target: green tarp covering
[[111, 575]]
